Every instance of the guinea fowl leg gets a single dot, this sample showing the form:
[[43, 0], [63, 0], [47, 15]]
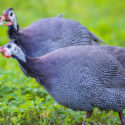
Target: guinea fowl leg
[[122, 118], [88, 115]]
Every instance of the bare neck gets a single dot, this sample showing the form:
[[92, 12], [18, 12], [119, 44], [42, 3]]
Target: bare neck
[[13, 31]]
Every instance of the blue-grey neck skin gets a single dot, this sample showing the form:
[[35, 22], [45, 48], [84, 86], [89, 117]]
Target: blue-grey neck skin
[[15, 23], [12, 28]]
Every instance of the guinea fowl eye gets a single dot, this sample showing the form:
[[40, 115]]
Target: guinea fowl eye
[[11, 14], [9, 46]]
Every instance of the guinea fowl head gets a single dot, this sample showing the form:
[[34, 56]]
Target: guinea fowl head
[[10, 17], [13, 50]]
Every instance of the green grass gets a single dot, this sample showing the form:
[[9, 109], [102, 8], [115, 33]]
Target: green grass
[[22, 100]]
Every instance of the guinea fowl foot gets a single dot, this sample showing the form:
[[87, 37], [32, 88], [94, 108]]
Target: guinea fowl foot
[[88, 115], [122, 118]]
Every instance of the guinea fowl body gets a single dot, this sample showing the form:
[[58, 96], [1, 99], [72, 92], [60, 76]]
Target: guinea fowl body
[[82, 77], [49, 34]]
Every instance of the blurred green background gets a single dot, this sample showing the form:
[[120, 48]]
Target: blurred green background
[[22, 100]]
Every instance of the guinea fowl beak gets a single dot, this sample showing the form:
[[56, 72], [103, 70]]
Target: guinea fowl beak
[[3, 18], [3, 52]]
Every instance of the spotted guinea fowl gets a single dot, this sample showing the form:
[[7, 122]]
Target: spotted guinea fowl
[[79, 77]]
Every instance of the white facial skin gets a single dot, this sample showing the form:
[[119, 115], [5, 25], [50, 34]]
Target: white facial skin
[[11, 14], [11, 49], [12, 17]]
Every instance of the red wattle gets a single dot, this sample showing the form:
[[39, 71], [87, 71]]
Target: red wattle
[[8, 56], [10, 24], [5, 14]]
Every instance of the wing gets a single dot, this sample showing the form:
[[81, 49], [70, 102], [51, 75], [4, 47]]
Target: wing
[[95, 40], [109, 67]]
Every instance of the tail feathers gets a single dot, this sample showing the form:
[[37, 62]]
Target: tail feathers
[[95, 39]]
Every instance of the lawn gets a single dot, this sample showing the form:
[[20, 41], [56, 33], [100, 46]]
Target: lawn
[[25, 102]]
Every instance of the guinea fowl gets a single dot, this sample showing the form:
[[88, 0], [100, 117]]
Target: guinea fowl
[[46, 35], [79, 77]]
